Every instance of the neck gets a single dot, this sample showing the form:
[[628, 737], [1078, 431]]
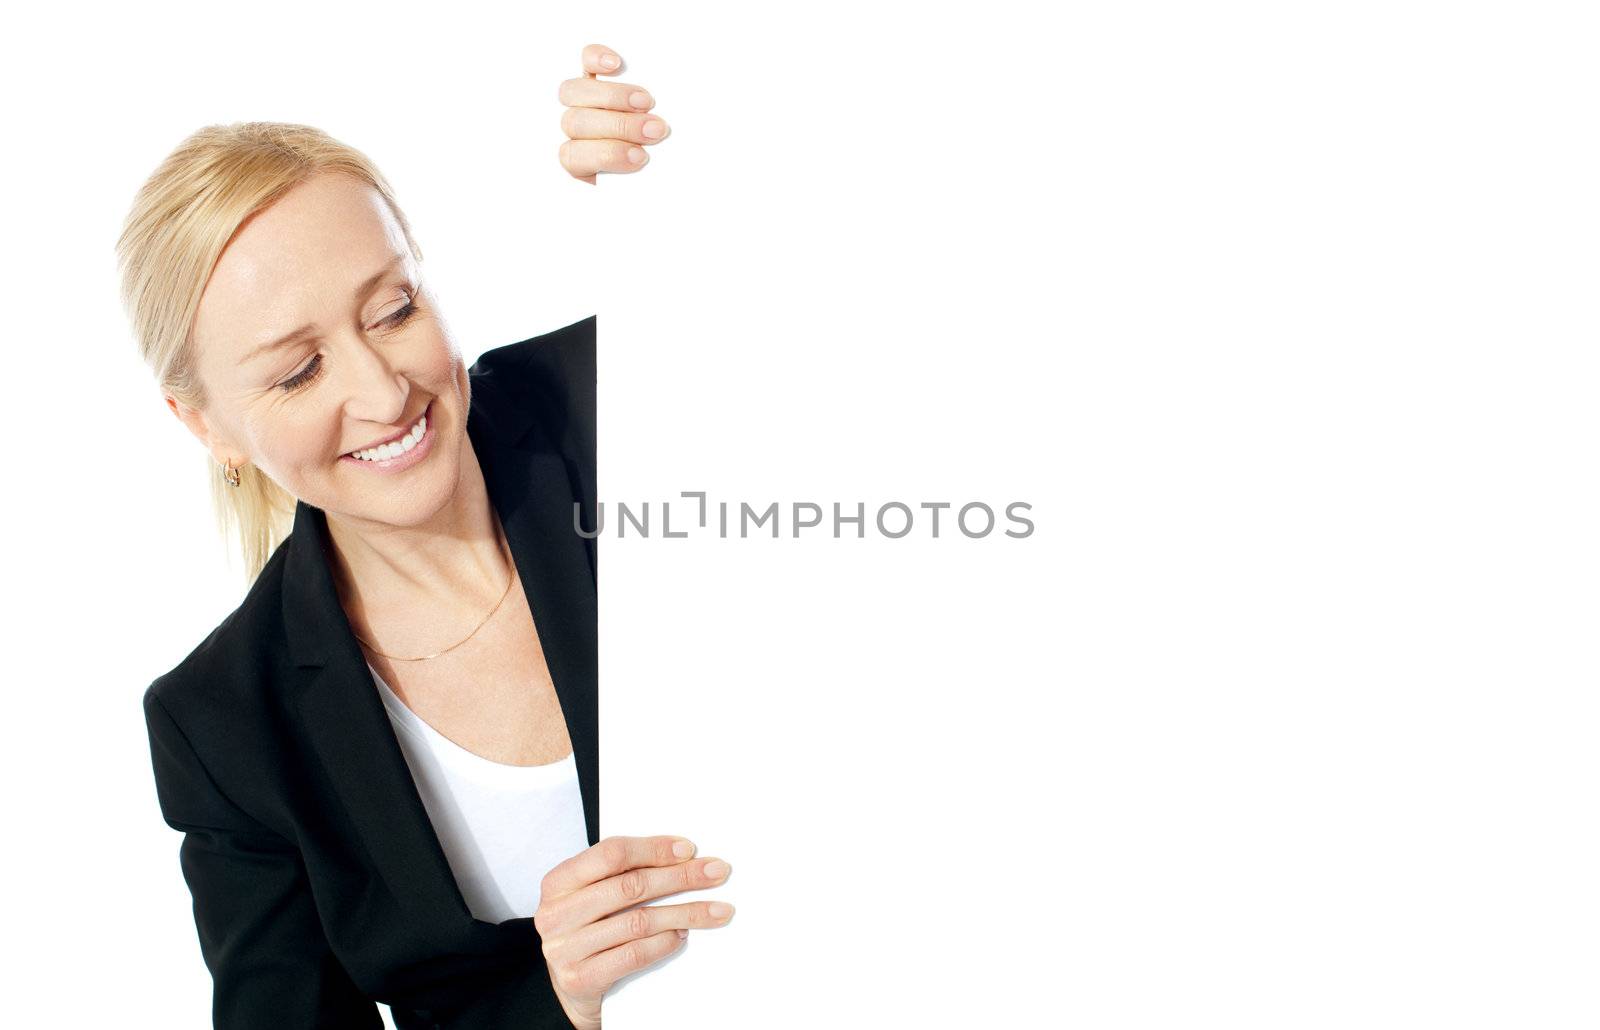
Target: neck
[[417, 582]]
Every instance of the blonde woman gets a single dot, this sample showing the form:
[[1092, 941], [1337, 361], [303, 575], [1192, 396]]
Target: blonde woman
[[384, 761]]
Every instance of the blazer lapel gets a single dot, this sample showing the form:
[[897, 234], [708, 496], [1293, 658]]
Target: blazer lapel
[[347, 725], [531, 490]]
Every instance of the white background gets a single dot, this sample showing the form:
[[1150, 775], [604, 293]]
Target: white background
[[1281, 316]]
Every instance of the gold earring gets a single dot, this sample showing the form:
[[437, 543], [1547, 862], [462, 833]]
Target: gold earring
[[231, 474]]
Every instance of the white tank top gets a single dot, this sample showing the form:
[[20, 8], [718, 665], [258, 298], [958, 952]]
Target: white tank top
[[502, 827]]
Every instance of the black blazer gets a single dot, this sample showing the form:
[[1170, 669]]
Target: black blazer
[[319, 884]]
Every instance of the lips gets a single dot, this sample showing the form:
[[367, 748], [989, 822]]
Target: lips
[[397, 436]]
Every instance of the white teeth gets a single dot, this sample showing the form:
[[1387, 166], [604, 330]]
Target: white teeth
[[400, 446]]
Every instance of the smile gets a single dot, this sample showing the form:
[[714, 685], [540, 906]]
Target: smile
[[399, 452]]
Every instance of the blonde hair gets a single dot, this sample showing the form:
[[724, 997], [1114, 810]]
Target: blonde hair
[[181, 221]]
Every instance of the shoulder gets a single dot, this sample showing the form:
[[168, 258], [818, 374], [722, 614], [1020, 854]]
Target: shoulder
[[549, 380], [227, 674], [214, 719], [557, 365]]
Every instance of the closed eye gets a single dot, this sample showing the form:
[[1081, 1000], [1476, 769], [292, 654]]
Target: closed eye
[[403, 315], [304, 376]]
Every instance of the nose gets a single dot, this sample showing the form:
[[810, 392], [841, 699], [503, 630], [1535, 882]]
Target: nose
[[376, 391]]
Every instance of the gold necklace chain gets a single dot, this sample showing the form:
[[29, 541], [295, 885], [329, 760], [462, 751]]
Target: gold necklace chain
[[511, 562]]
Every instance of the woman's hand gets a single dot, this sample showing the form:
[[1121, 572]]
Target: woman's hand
[[606, 123], [590, 942]]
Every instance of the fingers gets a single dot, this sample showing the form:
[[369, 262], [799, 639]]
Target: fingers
[[588, 123], [611, 96], [605, 122], [612, 856], [601, 60], [594, 976], [628, 888], [646, 921], [584, 157], [585, 953]]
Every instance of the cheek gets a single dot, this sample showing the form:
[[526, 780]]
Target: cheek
[[445, 363], [447, 377], [303, 440]]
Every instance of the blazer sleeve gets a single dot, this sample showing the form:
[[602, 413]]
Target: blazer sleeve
[[270, 962]]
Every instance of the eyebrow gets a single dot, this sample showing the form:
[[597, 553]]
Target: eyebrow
[[310, 329]]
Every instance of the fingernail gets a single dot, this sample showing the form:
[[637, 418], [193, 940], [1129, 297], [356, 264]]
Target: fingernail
[[719, 910], [636, 155], [682, 933], [683, 849], [640, 99], [654, 129], [716, 869], [608, 61]]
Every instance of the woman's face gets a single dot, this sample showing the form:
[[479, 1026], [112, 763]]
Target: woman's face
[[328, 258]]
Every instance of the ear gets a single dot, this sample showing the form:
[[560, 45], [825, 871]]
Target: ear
[[221, 448]]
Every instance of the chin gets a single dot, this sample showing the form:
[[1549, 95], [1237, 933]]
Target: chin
[[418, 501]]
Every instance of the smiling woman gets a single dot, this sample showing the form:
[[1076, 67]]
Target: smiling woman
[[179, 228], [385, 761], [367, 356]]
